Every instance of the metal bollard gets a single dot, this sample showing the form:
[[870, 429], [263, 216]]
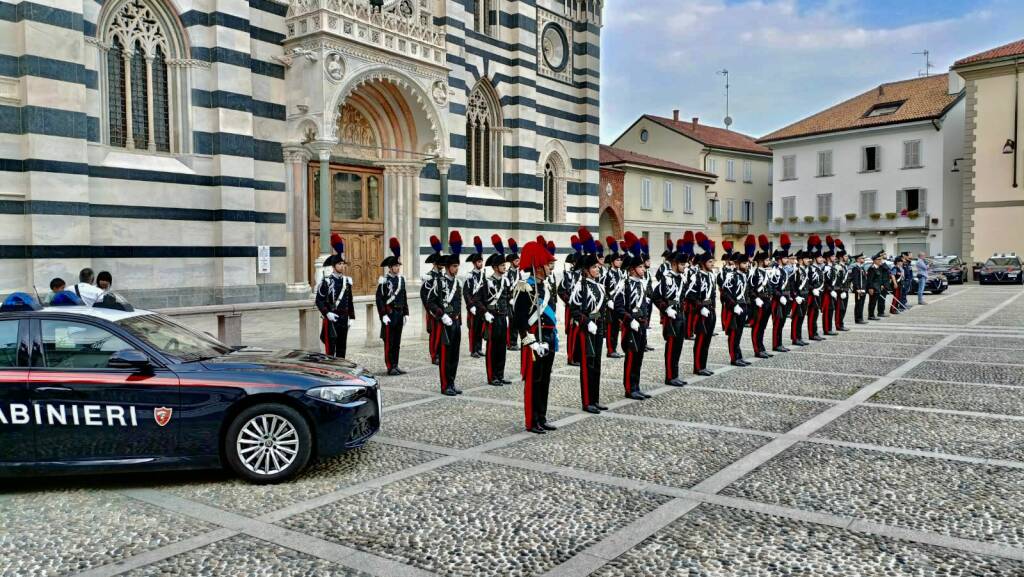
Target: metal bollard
[[372, 326], [229, 328], [310, 323]]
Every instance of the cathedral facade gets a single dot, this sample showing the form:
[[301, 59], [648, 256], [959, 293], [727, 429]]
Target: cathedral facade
[[187, 146]]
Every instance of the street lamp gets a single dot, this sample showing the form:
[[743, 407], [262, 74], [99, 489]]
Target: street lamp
[[956, 165], [1010, 146]]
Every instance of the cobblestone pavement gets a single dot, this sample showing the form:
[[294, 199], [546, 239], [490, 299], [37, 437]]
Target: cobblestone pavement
[[896, 449]]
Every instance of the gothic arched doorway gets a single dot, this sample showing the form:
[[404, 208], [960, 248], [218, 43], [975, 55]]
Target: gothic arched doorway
[[609, 224]]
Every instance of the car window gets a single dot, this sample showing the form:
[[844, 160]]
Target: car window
[[172, 339], [8, 344], [1001, 261], [71, 345]]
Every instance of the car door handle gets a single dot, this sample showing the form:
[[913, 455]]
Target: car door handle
[[54, 389]]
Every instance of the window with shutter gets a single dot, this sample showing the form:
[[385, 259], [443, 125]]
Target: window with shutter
[[868, 203], [645, 194], [788, 167], [668, 196], [729, 205], [922, 201], [770, 212], [825, 205], [901, 200], [912, 154], [789, 206], [713, 166], [688, 199], [730, 170], [825, 163], [870, 159], [748, 171]]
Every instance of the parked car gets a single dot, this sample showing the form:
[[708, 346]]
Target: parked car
[[1002, 269], [110, 388], [937, 281], [950, 265]]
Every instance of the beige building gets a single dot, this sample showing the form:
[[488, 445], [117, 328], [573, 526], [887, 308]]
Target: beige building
[[739, 202], [993, 207], [660, 198]]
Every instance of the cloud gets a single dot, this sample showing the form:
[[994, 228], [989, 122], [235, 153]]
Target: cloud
[[787, 59]]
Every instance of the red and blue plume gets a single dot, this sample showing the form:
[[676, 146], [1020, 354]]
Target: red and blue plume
[[541, 240], [784, 242], [764, 243], [600, 247], [705, 243], [435, 243], [688, 242], [396, 249], [575, 243], [499, 246], [839, 243], [668, 244], [711, 247], [338, 243], [631, 242], [587, 240], [551, 247], [750, 245], [478, 245], [513, 246], [644, 247], [830, 242], [727, 246], [455, 243], [613, 245], [814, 241], [681, 246]]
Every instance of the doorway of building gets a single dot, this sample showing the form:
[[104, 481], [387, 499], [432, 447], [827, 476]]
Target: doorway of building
[[357, 194]]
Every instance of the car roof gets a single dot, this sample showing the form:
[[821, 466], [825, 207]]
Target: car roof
[[112, 315]]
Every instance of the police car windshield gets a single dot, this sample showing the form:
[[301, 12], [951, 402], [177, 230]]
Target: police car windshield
[[174, 340], [1001, 261]]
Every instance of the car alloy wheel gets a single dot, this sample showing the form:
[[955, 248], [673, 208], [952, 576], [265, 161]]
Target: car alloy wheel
[[268, 443]]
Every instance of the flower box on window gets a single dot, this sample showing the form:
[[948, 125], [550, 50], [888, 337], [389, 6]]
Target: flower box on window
[[808, 219], [890, 215], [913, 214], [851, 215], [793, 219], [875, 215], [779, 220], [823, 218]]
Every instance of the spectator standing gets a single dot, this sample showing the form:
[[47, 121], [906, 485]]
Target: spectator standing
[[922, 277], [85, 288], [104, 281]]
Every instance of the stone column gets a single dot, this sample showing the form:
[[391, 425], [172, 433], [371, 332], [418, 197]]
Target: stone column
[[323, 148], [443, 164], [296, 159]]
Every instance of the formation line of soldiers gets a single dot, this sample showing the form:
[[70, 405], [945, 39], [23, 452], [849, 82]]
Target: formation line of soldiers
[[608, 301]]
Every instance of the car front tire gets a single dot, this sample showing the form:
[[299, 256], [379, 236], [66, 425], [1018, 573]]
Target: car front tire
[[268, 443]]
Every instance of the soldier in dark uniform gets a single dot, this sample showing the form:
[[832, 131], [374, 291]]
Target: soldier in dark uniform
[[334, 301], [472, 293], [800, 293], [780, 285], [734, 307], [689, 242], [877, 278], [668, 261], [535, 321], [815, 283], [445, 304], [587, 307], [859, 285], [701, 295], [428, 279], [727, 267], [392, 307], [828, 291], [497, 294], [668, 297], [633, 305], [613, 280], [570, 276], [842, 285], [759, 297], [513, 277]]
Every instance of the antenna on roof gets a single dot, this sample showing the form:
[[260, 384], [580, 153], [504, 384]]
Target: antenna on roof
[[728, 119], [927, 63]]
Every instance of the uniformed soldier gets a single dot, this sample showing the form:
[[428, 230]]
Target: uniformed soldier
[[726, 268], [759, 297], [334, 301], [633, 306], [445, 304], [496, 306], [701, 295], [668, 259], [570, 276], [734, 307], [648, 280], [513, 277], [877, 278], [859, 285], [842, 285], [392, 307], [535, 322], [780, 286], [829, 294], [428, 280], [687, 247], [668, 297], [588, 309], [816, 283], [613, 281], [799, 295], [896, 272], [472, 292]]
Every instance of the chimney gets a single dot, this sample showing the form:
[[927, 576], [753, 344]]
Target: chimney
[[695, 122], [881, 90], [675, 115]]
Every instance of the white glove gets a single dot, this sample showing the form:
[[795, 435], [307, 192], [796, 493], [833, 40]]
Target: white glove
[[704, 312], [447, 320], [737, 309], [799, 300], [386, 320], [537, 349], [833, 293], [489, 317], [472, 310], [759, 302], [592, 327], [671, 313], [860, 292], [332, 317], [783, 300], [611, 305], [405, 319], [545, 348], [634, 324], [816, 292]]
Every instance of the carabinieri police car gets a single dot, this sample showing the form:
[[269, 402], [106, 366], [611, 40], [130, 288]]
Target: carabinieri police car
[[111, 388]]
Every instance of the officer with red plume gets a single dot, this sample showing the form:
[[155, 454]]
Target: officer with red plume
[[587, 305], [534, 321], [334, 301], [816, 283], [613, 281], [513, 277], [392, 306], [471, 291], [734, 302], [444, 303], [570, 277], [780, 286], [759, 296], [436, 261], [668, 297], [633, 305], [496, 306], [843, 284], [700, 293]]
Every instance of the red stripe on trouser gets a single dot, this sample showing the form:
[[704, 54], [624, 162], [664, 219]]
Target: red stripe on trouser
[[584, 376], [668, 358], [629, 371], [469, 327], [327, 339], [839, 313], [753, 333], [826, 308], [696, 352], [895, 297], [794, 325], [569, 345], [528, 385]]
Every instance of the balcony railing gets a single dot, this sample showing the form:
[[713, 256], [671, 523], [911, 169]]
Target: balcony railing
[[882, 223], [801, 226], [735, 228]]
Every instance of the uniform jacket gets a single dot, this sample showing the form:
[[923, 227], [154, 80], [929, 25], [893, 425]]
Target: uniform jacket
[[445, 299], [633, 304], [587, 302], [497, 294], [533, 314], [334, 295], [701, 290], [391, 297]]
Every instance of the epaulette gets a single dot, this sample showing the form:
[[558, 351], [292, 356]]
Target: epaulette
[[522, 285], [381, 280]]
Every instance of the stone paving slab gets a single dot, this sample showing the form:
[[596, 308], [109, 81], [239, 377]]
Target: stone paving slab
[[64, 531], [981, 355], [840, 345], [479, 519], [727, 408], [714, 541], [671, 455], [1003, 342], [564, 392], [809, 361], [942, 433], [953, 396], [968, 372], [966, 500], [457, 423], [800, 383], [244, 556], [882, 337], [224, 491]]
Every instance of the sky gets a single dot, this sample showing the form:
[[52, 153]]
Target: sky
[[787, 59]]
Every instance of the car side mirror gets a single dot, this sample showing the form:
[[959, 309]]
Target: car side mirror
[[129, 359]]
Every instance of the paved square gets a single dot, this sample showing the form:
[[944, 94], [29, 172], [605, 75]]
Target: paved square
[[892, 450]]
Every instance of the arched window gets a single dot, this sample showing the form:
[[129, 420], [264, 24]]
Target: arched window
[[482, 15], [141, 91], [555, 174], [550, 192], [483, 137]]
